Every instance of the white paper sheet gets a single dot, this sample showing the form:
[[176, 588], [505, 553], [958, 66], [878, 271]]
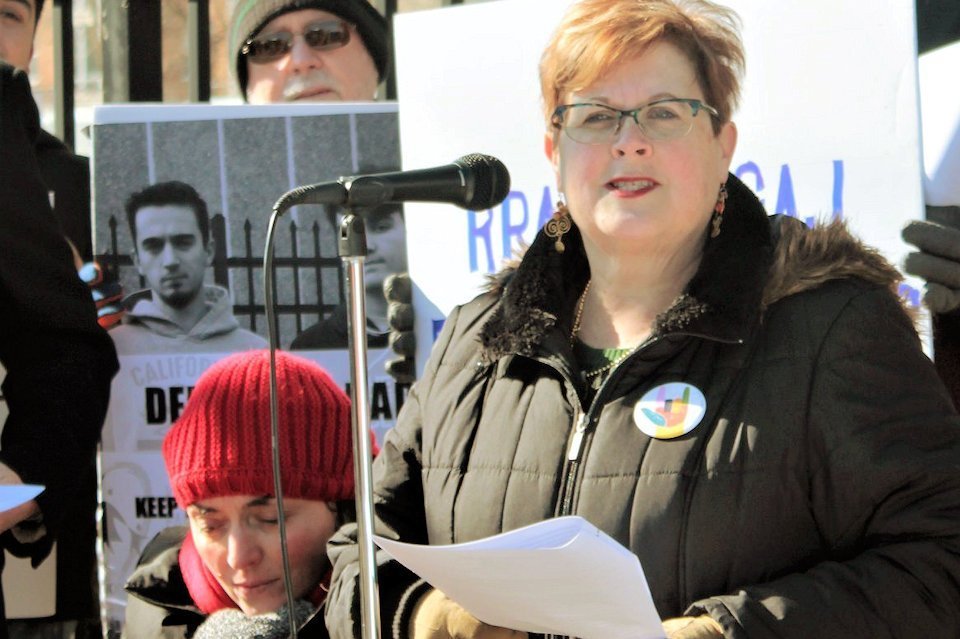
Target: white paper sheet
[[562, 576], [13, 495]]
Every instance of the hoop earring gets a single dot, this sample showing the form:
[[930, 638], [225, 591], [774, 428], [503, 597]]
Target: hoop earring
[[559, 225], [717, 219]]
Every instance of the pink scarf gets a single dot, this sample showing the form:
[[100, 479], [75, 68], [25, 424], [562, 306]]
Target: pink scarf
[[204, 589], [207, 593]]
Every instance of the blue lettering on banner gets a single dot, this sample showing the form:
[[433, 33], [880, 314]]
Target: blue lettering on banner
[[480, 233], [437, 327], [546, 207], [516, 225], [786, 203], [786, 193], [754, 170], [838, 189]]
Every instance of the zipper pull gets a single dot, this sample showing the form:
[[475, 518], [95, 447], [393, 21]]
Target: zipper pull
[[577, 442]]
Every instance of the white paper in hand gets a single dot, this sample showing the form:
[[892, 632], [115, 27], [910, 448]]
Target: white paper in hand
[[12, 495], [561, 576]]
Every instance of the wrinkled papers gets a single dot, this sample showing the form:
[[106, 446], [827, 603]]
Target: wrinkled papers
[[561, 576]]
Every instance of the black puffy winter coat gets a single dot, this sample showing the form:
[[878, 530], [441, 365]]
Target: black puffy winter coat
[[818, 496]]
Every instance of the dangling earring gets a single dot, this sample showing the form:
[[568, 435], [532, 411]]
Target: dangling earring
[[559, 225], [717, 218]]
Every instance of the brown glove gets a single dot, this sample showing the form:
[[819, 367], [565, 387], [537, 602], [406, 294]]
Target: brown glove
[[702, 627], [437, 617]]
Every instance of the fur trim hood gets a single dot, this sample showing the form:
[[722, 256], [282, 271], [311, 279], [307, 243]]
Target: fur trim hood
[[755, 261], [806, 258]]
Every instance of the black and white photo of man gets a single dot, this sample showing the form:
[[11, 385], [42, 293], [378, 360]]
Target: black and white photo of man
[[177, 312]]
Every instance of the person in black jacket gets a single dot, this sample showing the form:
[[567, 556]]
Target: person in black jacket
[[66, 181], [59, 361]]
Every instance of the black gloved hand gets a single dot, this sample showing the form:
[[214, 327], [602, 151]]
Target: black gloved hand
[[398, 289], [938, 261]]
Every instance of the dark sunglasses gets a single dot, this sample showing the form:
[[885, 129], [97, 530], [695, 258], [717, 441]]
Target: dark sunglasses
[[319, 36]]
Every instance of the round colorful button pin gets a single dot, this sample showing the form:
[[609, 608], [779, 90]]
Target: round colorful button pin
[[670, 410]]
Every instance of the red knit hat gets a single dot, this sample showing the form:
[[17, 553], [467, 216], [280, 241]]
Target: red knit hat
[[220, 446]]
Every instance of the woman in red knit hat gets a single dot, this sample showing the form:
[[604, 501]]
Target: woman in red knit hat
[[223, 575]]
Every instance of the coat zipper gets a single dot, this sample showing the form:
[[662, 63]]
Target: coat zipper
[[573, 456], [576, 444], [581, 420]]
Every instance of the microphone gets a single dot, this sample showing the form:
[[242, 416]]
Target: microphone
[[474, 181]]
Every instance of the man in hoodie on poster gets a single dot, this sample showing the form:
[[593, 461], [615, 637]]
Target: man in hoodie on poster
[[178, 312], [328, 51]]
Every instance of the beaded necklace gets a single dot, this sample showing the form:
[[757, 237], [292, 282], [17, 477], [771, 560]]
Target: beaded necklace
[[609, 365], [619, 354]]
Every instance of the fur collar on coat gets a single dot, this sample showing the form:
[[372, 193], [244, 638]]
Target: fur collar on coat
[[754, 262]]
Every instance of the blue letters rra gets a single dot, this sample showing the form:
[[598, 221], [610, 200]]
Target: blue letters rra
[[786, 201]]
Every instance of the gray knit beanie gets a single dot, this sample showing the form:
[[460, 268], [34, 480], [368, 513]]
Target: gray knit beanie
[[250, 16]]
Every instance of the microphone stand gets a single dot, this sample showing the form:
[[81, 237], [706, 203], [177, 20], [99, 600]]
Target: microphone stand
[[352, 249], [468, 172], [278, 210]]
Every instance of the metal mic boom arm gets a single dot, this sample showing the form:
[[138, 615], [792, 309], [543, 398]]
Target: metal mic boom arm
[[322, 193]]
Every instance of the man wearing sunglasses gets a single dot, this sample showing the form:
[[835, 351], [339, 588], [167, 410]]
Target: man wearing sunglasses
[[308, 50], [327, 50]]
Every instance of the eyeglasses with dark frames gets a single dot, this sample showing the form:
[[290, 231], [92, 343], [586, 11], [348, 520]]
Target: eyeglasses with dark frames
[[593, 123]]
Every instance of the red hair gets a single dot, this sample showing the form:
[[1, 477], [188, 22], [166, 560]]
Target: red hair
[[596, 35]]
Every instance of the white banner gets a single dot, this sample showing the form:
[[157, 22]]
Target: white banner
[[828, 126]]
